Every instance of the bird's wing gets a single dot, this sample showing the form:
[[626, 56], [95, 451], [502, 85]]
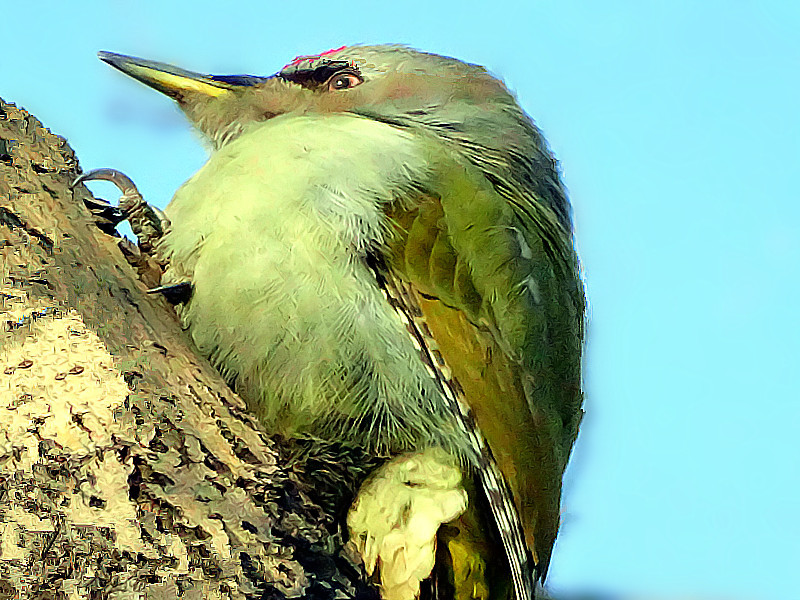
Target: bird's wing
[[495, 284]]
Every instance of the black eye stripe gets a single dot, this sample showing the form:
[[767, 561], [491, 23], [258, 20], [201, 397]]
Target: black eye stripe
[[319, 75], [323, 73]]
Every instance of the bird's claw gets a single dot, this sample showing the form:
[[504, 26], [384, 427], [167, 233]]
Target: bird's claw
[[106, 216], [147, 222], [175, 293]]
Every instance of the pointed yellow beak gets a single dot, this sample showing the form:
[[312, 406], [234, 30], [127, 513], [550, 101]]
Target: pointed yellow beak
[[174, 81]]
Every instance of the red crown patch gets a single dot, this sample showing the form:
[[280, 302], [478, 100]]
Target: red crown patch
[[299, 59]]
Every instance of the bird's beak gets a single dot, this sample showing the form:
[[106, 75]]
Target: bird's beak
[[176, 82]]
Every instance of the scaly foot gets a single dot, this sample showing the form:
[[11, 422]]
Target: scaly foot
[[147, 223]]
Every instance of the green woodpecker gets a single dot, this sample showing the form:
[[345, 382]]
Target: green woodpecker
[[380, 254]]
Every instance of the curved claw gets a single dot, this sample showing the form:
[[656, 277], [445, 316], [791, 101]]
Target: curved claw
[[122, 181], [147, 222]]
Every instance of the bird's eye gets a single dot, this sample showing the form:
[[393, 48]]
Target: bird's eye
[[343, 81]]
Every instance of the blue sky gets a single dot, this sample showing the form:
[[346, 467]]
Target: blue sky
[[677, 127]]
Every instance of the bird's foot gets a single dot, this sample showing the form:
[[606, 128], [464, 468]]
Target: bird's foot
[[147, 223]]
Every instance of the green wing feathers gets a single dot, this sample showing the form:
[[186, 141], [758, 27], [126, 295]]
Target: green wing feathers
[[499, 289]]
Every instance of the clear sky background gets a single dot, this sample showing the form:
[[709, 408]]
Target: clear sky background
[[677, 127]]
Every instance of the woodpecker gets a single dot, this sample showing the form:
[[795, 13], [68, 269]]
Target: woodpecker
[[380, 253]]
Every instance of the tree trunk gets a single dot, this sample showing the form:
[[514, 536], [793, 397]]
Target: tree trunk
[[128, 469]]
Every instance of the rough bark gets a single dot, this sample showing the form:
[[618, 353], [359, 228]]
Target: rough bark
[[128, 469]]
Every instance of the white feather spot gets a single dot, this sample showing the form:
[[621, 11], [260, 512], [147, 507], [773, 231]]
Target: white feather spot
[[524, 248], [533, 288]]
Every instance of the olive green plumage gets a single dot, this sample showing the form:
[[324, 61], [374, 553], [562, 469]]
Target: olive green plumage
[[361, 172]]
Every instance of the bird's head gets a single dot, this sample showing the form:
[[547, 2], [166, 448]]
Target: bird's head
[[440, 98]]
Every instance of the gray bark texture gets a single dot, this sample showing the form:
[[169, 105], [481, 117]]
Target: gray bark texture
[[128, 469]]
